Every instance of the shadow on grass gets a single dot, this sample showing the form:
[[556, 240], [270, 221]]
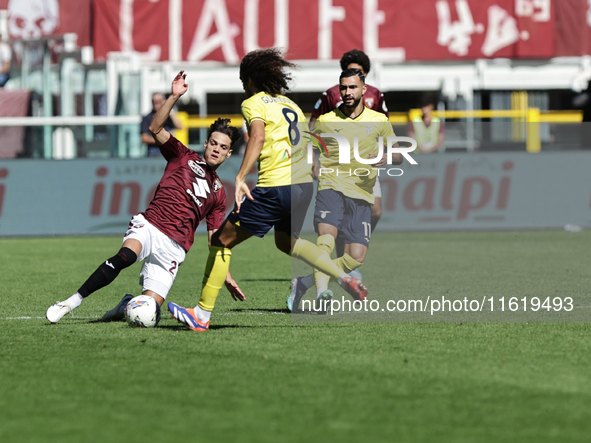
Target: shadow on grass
[[278, 311], [216, 327], [212, 327], [265, 279], [275, 311]]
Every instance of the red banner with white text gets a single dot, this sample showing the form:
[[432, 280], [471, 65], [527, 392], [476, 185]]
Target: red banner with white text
[[395, 30], [387, 30]]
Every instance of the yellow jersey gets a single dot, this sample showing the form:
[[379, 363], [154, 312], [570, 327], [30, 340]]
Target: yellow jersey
[[283, 159], [355, 180]]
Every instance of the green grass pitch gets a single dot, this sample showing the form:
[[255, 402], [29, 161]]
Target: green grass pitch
[[257, 376]]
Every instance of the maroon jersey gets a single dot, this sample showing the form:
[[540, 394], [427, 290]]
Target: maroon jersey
[[331, 99], [188, 192]]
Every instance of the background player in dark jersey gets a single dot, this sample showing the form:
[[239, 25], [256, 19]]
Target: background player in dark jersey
[[373, 99], [189, 191]]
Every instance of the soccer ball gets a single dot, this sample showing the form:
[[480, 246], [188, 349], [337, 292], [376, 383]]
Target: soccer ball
[[142, 311]]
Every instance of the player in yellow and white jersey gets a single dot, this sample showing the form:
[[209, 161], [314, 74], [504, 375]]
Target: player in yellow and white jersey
[[284, 183], [367, 127], [283, 120], [345, 190]]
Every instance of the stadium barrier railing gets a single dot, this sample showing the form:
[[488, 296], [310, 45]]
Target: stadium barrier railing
[[119, 136], [531, 117]]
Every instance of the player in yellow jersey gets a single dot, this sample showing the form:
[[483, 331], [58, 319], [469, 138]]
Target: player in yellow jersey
[[345, 190], [284, 183]]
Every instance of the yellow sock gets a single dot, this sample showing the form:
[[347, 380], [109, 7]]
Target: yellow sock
[[214, 277], [315, 257], [347, 263], [324, 243]]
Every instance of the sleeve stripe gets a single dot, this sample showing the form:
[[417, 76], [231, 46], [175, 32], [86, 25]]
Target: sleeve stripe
[[258, 118]]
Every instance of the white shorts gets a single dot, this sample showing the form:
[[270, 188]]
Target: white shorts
[[162, 256], [377, 189]]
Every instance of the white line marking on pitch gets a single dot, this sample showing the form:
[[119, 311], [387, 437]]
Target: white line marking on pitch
[[43, 318]]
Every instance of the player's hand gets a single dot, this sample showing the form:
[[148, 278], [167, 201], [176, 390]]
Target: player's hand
[[382, 161], [179, 85], [241, 192], [234, 289]]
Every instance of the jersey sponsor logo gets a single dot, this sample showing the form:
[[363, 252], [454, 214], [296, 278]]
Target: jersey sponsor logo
[[200, 190], [217, 185], [196, 168], [369, 102]]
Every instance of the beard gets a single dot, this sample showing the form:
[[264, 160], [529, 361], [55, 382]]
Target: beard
[[354, 104]]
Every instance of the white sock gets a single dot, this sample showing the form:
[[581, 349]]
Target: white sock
[[202, 314], [341, 277], [75, 300]]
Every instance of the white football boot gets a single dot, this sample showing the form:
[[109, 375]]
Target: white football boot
[[56, 312]]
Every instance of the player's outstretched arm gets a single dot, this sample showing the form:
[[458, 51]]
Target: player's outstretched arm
[[179, 87], [253, 151]]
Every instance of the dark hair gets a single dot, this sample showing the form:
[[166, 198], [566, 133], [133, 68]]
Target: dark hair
[[355, 56], [428, 99], [265, 67], [352, 73], [222, 125]]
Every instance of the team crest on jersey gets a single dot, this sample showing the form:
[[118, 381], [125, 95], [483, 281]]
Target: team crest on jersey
[[217, 185], [369, 102], [196, 168], [368, 129]]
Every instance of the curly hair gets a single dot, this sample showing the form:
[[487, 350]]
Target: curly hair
[[355, 56], [265, 67], [222, 125]]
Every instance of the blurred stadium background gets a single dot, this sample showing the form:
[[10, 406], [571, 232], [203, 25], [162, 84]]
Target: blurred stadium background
[[510, 78]]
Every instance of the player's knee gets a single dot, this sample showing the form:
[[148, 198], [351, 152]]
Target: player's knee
[[124, 258], [357, 256], [215, 241], [284, 242]]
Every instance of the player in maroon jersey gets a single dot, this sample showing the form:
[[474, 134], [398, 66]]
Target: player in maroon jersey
[[190, 191]]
